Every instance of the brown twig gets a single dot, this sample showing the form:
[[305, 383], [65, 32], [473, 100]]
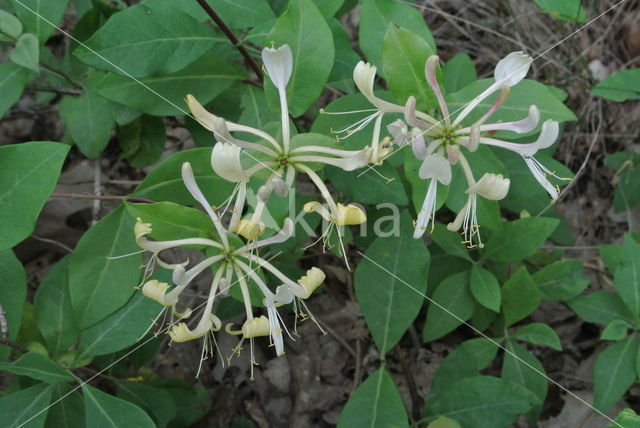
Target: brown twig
[[101, 197], [416, 402], [59, 91], [232, 38]]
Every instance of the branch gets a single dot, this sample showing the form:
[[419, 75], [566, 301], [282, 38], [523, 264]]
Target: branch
[[234, 40]]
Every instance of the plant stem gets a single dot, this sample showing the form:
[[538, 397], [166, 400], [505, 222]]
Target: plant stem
[[101, 197], [62, 74], [234, 40], [60, 91]]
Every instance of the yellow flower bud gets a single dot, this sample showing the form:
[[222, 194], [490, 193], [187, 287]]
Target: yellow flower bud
[[141, 229]]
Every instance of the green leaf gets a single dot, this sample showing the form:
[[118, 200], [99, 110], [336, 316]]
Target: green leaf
[[388, 288], [27, 52], [404, 55], [562, 280], [484, 402], [142, 141], [104, 410], [27, 406], [165, 37], [305, 30], [192, 401], [538, 334], [119, 330], [346, 58], [164, 95], [523, 368], [375, 404], [614, 373], [627, 276], [444, 422], [40, 16], [515, 107], [13, 79], [452, 304], [519, 239], [13, 292], [601, 307], [235, 13], [627, 190], [627, 419], [88, 121], [99, 283], [54, 313], [172, 221], [621, 86], [463, 362], [39, 367], [449, 241], [375, 17], [520, 296], [28, 173], [157, 402], [164, 182], [255, 110], [68, 412], [370, 188], [615, 330], [485, 288], [565, 10], [458, 72], [10, 25]]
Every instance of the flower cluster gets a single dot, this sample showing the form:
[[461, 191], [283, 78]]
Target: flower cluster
[[231, 259], [438, 143]]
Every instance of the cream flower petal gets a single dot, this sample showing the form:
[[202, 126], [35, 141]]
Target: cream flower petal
[[279, 65], [491, 186], [512, 69]]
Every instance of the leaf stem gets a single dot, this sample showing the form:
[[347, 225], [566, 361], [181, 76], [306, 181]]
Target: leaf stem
[[101, 197], [232, 38]]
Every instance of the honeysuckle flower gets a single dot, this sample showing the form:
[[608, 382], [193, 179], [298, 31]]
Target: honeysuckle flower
[[437, 142], [278, 155], [230, 259]]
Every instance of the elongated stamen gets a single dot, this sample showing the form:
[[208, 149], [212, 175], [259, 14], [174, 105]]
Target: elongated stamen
[[296, 288], [367, 110], [184, 279], [428, 211], [192, 186], [355, 127], [474, 103], [238, 206]]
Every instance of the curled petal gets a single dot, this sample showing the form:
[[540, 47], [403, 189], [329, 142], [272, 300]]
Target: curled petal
[[279, 65], [182, 333], [364, 75], [436, 166], [348, 215], [418, 145], [512, 69], [283, 295], [225, 161], [255, 327], [141, 229], [312, 280], [491, 186], [399, 132], [317, 207], [548, 134], [250, 229], [156, 290]]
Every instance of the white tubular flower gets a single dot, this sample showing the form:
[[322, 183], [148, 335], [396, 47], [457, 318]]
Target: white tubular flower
[[511, 69], [399, 132], [343, 215], [225, 161], [491, 186], [438, 169], [275, 331], [312, 280], [279, 65]]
